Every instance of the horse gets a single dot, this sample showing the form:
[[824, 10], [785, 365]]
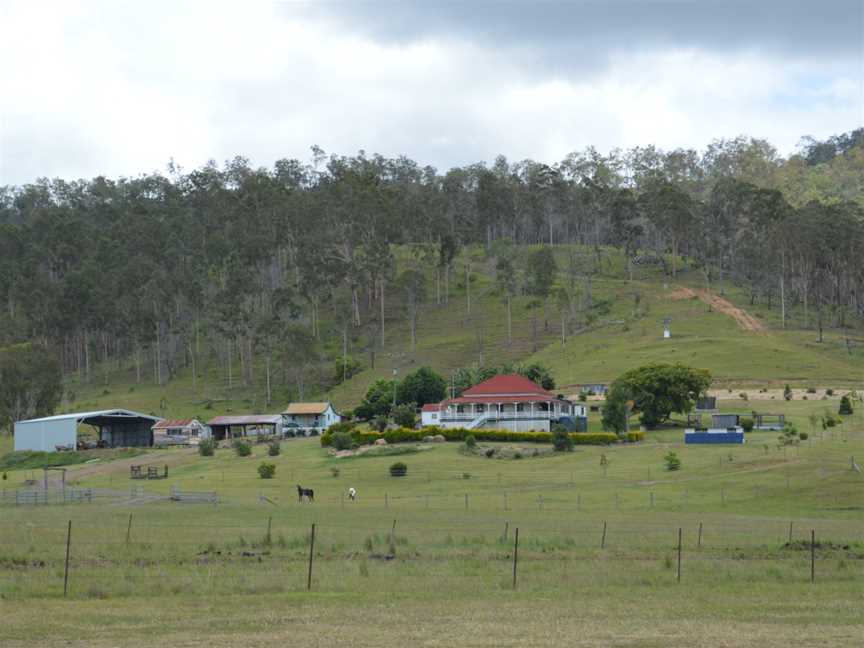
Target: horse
[[308, 493], [352, 493]]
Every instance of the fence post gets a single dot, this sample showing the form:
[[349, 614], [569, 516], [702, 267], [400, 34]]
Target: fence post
[[386, 501], [129, 530], [679, 554], [506, 529], [699, 541], [812, 555], [603, 539], [393, 533], [505, 501], [790, 532], [515, 557], [466, 501], [66, 568], [269, 528], [311, 554]]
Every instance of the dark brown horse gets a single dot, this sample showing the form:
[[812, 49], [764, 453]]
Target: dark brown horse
[[308, 493]]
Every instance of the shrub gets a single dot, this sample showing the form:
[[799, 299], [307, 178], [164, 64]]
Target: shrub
[[803, 436], [379, 423], [743, 396], [274, 449], [747, 423], [490, 452], [466, 475], [266, 470], [811, 390], [398, 469], [672, 461], [470, 442], [242, 448], [402, 435], [342, 441], [829, 392], [207, 447], [635, 437], [405, 415], [561, 440], [787, 393], [314, 432], [845, 406], [334, 471]]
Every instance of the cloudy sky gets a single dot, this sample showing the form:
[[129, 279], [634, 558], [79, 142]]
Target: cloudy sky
[[120, 88]]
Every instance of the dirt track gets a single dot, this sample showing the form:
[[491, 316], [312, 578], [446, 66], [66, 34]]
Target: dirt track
[[745, 320]]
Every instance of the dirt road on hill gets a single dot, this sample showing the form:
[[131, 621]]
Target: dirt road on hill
[[745, 320]]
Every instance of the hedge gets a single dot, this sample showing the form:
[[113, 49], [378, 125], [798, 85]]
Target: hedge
[[404, 435]]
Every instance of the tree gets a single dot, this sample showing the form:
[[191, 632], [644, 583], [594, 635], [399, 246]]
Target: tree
[[540, 275], [413, 285], [378, 400], [655, 391], [505, 277], [405, 415], [421, 387], [30, 383], [845, 406], [561, 439], [538, 374]]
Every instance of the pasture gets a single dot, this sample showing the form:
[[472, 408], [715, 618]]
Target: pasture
[[429, 557]]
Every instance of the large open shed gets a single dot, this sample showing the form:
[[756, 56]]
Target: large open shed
[[115, 428]]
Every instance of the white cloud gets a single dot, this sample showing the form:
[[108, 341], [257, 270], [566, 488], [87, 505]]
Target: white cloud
[[120, 89]]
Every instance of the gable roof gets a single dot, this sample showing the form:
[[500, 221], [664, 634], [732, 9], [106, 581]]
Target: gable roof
[[507, 385], [431, 407], [306, 408]]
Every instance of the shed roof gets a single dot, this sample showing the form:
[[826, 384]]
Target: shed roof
[[167, 424], [247, 419], [81, 416], [306, 408]]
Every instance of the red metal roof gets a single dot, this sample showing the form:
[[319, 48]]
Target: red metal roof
[[510, 385], [432, 407]]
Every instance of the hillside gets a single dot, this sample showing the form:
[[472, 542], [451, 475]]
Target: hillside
[[621, 334]]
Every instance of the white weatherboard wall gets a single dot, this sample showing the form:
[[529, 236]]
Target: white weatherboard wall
[[46, 435]]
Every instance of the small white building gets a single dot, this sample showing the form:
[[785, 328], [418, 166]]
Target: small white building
[[430, 414], [180, 432], [310, 416]]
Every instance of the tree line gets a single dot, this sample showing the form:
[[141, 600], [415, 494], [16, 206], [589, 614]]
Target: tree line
[[293, 266]]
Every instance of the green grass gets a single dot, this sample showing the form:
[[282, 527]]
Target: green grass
[[205, 575]]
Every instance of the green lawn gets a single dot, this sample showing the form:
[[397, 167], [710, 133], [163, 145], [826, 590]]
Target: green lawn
[[207, 575]]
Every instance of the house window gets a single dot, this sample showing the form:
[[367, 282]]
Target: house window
[[434, 416], [479, 407], [520, 407]]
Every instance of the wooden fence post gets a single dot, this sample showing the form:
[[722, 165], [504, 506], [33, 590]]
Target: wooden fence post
[[812, 555], [129, 530], [269, 528], [679, 554], [603, 539], [68, 549], [699, 541], [790, 532], [506, 529], [515, 557], [466, 501], [311, 554]]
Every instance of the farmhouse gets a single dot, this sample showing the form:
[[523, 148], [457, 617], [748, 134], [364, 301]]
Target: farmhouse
[[115, 428], [509, 402], [228, 427], [310, 416], [430, 413], [183, 431]]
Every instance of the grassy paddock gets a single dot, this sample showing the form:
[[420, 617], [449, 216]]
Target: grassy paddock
[[202, 574]]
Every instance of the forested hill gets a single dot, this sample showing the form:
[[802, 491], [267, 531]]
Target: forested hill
[[247, 276]]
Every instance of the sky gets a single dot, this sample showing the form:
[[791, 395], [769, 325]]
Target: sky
[[121, 88]]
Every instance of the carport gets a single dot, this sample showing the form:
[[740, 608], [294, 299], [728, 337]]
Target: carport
[[115, 428]]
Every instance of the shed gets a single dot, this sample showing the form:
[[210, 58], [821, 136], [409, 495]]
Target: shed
[[187, 431], [116, 428], [247, 425]]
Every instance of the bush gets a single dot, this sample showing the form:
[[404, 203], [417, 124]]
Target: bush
[[811, 390], [845, 406], [829, 392], [207, 447], [274, 449], [635, 437], [747, 423], [242, 448], [402, 435], [398, 469], [561, 440], [803, 436], [266, 470], [379, 423], [334, 471], [342, 441], [787, 393], [672, 461], [405, 415], [470, 442]]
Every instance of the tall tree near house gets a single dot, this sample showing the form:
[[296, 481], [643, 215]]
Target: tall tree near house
[[30, 383], [447, 250], [541, 270], [413, 286], [507, 282]]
